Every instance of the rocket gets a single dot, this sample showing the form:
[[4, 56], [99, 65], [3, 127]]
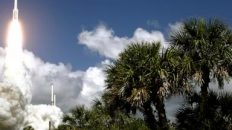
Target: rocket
[[15, 10], [53, 96]]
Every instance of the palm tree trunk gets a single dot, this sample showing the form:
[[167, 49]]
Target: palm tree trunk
[[163, 122], [205, 85], [204, 91], [149, 117]]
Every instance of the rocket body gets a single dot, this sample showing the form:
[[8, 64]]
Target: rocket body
[[15, 11]]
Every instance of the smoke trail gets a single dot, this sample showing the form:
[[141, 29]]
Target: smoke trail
[[14, 91], [15, 72]]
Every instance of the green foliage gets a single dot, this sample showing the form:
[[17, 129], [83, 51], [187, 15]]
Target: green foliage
[[206, 48], [218, 116], [141, 78], [98, 118], [79, 116]]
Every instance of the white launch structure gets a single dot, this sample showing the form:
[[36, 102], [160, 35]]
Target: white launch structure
[[15, 11], [53, 103], [53, 96]]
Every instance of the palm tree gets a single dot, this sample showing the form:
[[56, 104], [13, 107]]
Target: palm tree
[[207, 45], [78, 117], [141, 78], [218, 116]]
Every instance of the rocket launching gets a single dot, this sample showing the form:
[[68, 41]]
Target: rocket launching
[[15, 11], [15, 93], [14, 70]]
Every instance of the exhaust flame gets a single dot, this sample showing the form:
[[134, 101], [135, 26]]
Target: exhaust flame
[[15, 36], [14, 55]]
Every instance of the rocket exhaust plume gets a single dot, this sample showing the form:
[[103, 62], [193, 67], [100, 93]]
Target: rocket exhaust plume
[[14, 49], [14, 69], [14, 91]]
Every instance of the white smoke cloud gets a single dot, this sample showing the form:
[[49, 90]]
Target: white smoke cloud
[[38, 116], [15, 99], [71, 87], [12, 106], [106, 43]]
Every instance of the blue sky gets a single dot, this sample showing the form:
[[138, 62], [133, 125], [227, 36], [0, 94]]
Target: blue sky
[[51, 26]]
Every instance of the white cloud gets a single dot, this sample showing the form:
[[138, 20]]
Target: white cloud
[[107, 44], [93, 85], [71, 87], [38, 116], [175, 27]]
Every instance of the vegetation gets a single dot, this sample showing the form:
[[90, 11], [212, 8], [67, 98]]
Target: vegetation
[[207, 44], [140, 79], [144, 75], [99, 119], [218, 116]]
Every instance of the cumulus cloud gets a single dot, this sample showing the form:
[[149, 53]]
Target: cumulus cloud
[[71, 87], [93, 85], [104, 41]]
